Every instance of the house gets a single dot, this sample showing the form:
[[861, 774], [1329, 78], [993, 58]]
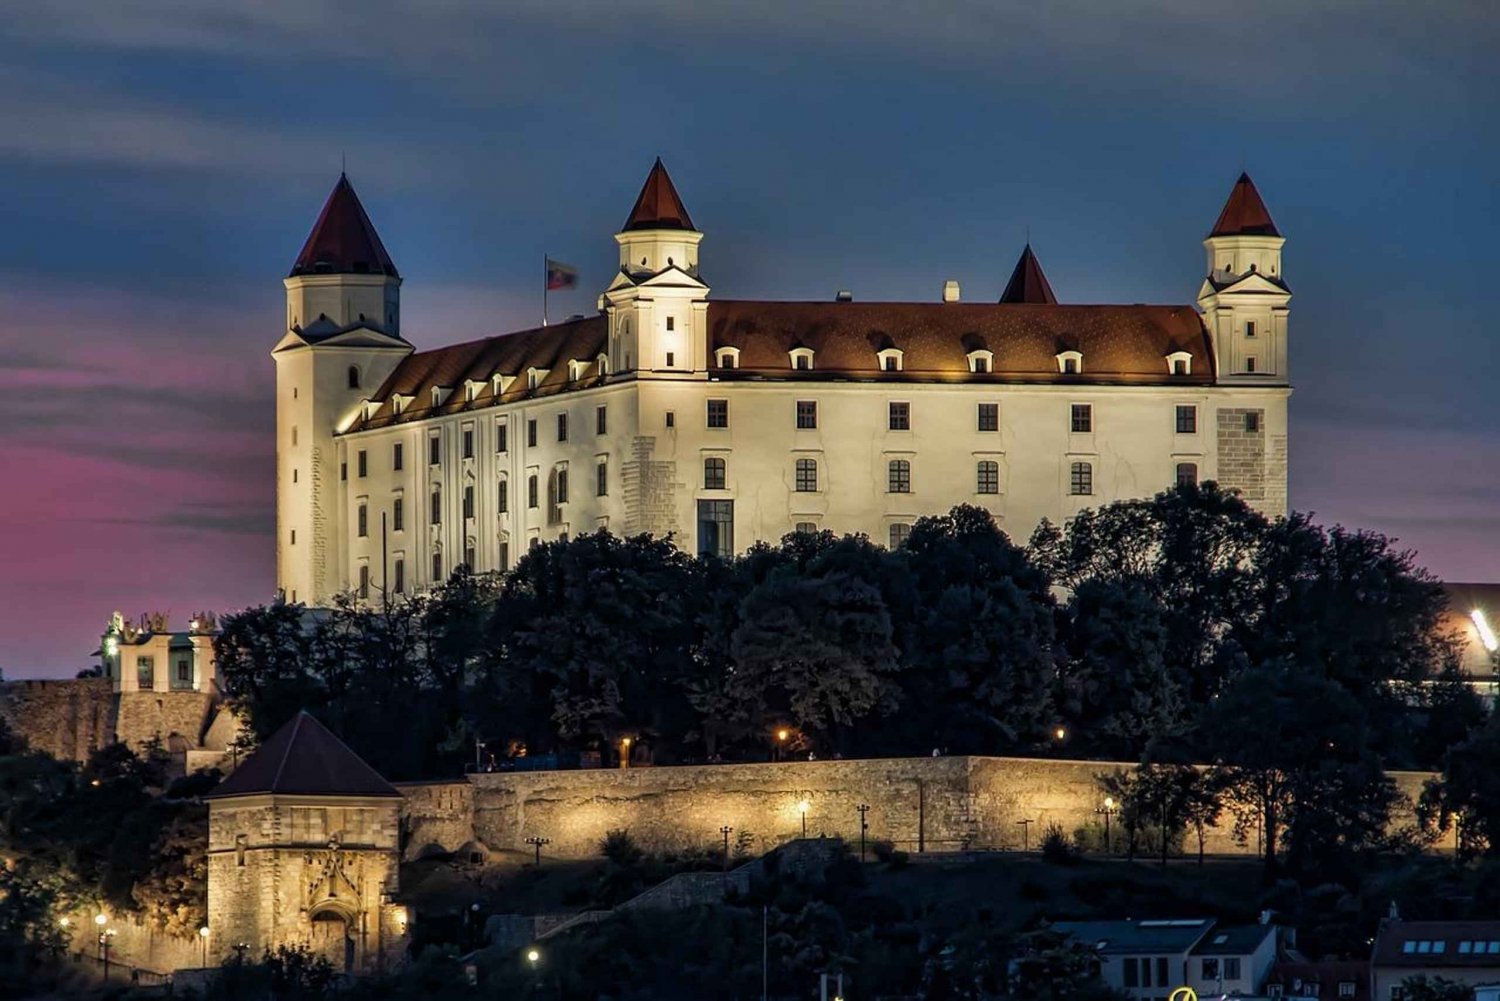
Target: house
[[1328, 980], [1232, 960], [1145, 960], [1463, 951]]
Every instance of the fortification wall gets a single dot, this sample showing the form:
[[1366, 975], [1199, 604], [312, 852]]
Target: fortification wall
[[436, 815], [68, 719], [144, 716]]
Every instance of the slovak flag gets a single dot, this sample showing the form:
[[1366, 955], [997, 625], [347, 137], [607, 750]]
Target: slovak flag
[[560, 275]]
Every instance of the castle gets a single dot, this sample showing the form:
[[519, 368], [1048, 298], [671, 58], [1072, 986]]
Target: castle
[[727, 422]]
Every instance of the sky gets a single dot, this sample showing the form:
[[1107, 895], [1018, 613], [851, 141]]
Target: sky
[[162, 161]]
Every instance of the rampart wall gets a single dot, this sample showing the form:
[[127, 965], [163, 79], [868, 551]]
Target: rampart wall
[[69, 719], [938, 804]]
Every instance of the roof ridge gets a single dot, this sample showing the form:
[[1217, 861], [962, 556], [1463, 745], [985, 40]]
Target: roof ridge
[[286, 752]]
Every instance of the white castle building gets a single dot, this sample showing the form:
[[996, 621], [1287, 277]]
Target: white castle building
[[724, 422]]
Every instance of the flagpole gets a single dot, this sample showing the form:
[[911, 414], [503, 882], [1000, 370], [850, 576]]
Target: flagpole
[[546, 280]]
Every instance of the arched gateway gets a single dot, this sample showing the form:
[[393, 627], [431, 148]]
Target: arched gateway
[[303, 850]]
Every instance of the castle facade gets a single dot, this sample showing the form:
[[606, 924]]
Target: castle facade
[[724, 422]]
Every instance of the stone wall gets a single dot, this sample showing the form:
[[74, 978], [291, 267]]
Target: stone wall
[[67, 719], [650, 490], [1242, 453], [144, 716], [137, 944], [436, 815]]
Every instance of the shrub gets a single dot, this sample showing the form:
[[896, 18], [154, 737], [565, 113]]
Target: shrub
[[620, 848], [1057, 846]]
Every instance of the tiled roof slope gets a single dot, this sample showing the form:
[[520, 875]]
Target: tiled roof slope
[[1244, 214], [1121, 345], [1391, 939], [658, 206], [304, 758], [1027, 283], [343, 240]]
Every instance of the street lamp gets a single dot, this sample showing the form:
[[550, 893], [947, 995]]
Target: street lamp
[[863, 809], [624, 752], [1061, 733], [537, 844], [203, 935], [781, 738], [802, 808], [106, 942], [1108, 810]]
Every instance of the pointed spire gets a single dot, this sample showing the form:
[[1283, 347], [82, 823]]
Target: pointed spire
[[1027, 283], [658, 207], [1244, 214], [304, 758], [343, 240]]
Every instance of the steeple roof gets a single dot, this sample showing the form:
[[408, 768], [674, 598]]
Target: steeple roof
[[1244, 214], [658, 206], [1027, 283], [343, 240], [304, 758]]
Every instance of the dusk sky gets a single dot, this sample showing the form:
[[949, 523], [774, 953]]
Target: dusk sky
[[161, 162]]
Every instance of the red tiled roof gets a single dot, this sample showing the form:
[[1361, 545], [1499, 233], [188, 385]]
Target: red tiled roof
[[1027, 283], [1244, 214], [304, 758], [1121, 345], [658, 206], [343, 240]]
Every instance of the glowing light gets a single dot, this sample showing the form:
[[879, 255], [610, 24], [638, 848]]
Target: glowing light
[[1061, 733], [533, 957], [625, 741], [111, 646], [1486, 634], [101, 920], [63, 922], [803, 806], [1109, 802], [782, 735]]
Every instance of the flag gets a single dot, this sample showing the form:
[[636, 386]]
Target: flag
[[560, 275]]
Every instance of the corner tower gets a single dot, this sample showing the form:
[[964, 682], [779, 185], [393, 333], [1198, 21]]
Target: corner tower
[[342, 339], [1244, 298], [657, 304]]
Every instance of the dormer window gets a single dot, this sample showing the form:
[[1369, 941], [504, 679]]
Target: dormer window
[[802, 359], [727, 357], [1070, 362], [534, 377], [1180, 363], [500, 383], [370, 408], [981, 361], [890, 359], [471, 390], [601, 365], [439, 395], [577, 368]]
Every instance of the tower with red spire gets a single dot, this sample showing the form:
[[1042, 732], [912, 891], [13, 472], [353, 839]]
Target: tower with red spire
[[342, 339], [657, 304], [1245, 296]]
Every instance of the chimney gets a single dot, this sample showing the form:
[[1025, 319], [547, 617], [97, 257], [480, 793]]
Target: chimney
[[950, 291], [844, 295]]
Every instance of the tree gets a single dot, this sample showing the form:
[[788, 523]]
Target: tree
[[1424, 988], [1169, 797], [264, 660], [1468, 793]]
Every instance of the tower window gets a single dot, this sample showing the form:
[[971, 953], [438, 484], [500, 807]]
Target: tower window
[[1252, 421], [353, 376], [468, 443], [343, 471], [898, 416], [898, 476], [562, 427], [1249, 328], [294, 475], [398, 515], [1250, 364], [398, 456], [716, 528], [671, 325], [989, 417], [364, 521], [502, 496], [1081, 479], [437, 507], [470, 556], [713, 474], [1082, 419], [1070, 366], [718, 413], [1187, 419], [434, 450], [987, 477], [363, 464], [671, 359], [531, 491], [437, 568], [1179, 366], [364, 581], [400, 575], [807, 476], [671, 419], [469, 500], [601, 479], [1187, 474], [562, 486], [601, 420], [294, 536], [807, 415], [502, 437], [531, 433]]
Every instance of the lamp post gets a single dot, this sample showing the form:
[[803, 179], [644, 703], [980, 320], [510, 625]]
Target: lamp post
[[863, 809], [1025, 834], [537, 844], [534, 962], [479, 746], [802, 808], [1108, 810], [624, 752], [725, 830], [203, 936], [781, 738]]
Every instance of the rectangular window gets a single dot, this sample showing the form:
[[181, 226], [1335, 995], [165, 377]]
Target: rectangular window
[[713, 474], [1252, 422], [1132, 969], [437, 507], [1232, 968], [807, 415], [398, 515], [601, 420], [671, 419], [718, 413], [1346, 988], [562, 486], [601, 480], [716, 528], [184, 678], [505, 556], [804, 363], [898, 476], [1145, 971], [806, 527], [982, 366], [807, 476], [562, 427], [502, 495], [363, 464], [989, 417], [1210, 969], [1249, 328], [145, 672], [988, 477], [343, 471], [1187, 474], [398, 456], [468, 501], [437, 568], [434, 450], [1082, 421], [468, 443], [1161, 971], [502, 437], [531, 491], [671, 323], [294, 536], [294, 475], [364, 581], [1250, 364], [364, 521], [899, 417], [1081, 479], [531, 433], [1187, 419], [400, 576]]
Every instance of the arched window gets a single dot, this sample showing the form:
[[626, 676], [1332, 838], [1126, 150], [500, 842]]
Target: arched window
[[353, 376], [713, 474], [1081, 479], [1187, 474], [898, 476]]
